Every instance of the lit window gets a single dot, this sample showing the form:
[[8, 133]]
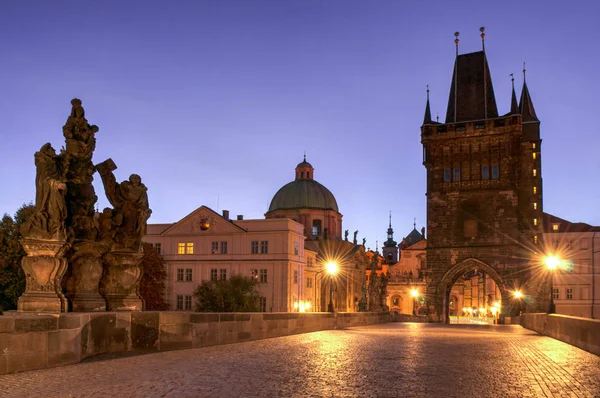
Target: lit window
[[214, 247], [533, 145], [457, 174], [485, 172], [179, 274], [263, 304], [534, 190], [447, 175], [213, 274], [223, 247], [223, 274], [188, 302], [188, 275], [495, 172], [179, 302], [295, 277], [569, 293], [535, 239], [189, 248], [263, 276], [296, 251], [555, 293], [555, 227], [535, 172], [534, 205], [264, 246], [181, 248], [254, 274], [535, 221], [534, 155]]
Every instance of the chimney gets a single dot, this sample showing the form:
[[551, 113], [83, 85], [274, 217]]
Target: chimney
[[226, 214], [240, 217]]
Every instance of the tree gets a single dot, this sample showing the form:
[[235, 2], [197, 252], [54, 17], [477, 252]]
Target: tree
[[12, 278], [153, 283], [236, 294]]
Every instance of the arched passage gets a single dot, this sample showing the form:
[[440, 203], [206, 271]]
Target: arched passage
[[455, 272]]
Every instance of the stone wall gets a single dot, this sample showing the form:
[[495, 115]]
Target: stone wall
[[36, 341], [580, 332]]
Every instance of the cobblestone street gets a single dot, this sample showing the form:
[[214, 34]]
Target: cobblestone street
[[390, 360]]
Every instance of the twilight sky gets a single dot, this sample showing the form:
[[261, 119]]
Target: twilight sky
[[215, 102]]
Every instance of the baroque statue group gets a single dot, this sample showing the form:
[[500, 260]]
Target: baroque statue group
[[79, 259]]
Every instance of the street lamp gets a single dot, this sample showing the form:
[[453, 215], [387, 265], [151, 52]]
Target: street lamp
[[331, 268], [414, 293], [551, 263]]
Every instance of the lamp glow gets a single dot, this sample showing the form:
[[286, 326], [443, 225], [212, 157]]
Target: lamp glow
[[331, 267], [414, 292], [518, 294], [552, 262]]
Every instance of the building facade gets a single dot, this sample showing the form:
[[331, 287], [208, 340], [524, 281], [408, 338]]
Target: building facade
[[484, 187]]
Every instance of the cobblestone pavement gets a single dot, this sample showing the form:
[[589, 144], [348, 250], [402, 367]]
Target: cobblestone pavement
[[390, 360]]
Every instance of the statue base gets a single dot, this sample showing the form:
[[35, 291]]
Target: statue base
[[44, 268], [83, 285], [122, 281]]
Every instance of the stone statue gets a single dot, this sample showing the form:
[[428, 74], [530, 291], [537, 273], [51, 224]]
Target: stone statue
[[346, 235], [383, 292], [48, 221], [362, 303], [130, 199], [364, 242], [355, 234], [108, 223]]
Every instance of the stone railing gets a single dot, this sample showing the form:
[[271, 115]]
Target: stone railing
[[580, 332], [36, 341]]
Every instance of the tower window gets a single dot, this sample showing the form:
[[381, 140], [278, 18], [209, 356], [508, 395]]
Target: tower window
[[534, 190], [535, 172], [316, 229], [495, 172], [535, 221], [457, 174], [301, 174], [534, 155], [447, 175], [485, 172], [534, 205], [535, 239], [533, 145]]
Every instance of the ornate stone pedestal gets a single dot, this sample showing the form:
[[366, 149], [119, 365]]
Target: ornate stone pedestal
[[83, 285], [44, 268], [121, 281]]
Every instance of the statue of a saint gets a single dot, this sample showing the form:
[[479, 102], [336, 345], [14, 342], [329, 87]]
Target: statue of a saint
[[355, 234], [346, 235], [48, 221]]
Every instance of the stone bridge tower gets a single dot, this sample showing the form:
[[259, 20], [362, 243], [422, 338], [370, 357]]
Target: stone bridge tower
[[484, 188]]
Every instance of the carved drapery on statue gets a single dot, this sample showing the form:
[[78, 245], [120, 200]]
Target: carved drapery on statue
[[73, 252]]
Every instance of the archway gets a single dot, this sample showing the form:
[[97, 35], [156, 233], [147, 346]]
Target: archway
[[457, 271]]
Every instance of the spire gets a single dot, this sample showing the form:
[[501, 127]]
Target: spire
[[390, 235], [525, 104], [427, 118], [390, 219], [514, 107]]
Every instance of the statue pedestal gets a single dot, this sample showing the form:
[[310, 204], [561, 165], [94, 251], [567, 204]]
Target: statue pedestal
[[83, 285], [44, 268], [121, 282]]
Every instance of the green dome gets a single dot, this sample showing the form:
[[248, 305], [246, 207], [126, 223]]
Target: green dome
[[303, 194]]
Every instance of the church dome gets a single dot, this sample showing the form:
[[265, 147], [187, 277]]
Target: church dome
[[304, 192]]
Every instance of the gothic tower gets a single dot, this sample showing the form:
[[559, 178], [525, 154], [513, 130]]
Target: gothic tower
[[484, 186], [390, 247]]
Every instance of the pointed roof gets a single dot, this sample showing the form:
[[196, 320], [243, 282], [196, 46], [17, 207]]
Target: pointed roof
[[427, 118], [514, 107], [471, 93], [526, 105]]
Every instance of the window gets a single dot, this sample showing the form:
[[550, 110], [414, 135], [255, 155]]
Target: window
[[495, 172], [534, 205], [309, 261], [583, 243], [301, 174], [254, 247], [296, 251], [254, 274], [555, 293], [189, 248], [223, 247], [214, 247], [485, 172], [535, 172], [569, 293], [263, 276], [555, 227], [188, 302], [534, 190], [295, 277], [179, 274], [535, 221], [157, 247], [309, 282], [263, 304], [316, 228], [223, 274], [457, 174], [446, 175], [213, 274], [534, 155], [188, 275], [179, 302], [533, 145], [264, 246], [535, 239], [181, 248]]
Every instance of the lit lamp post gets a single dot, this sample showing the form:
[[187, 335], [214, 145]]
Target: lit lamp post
[[331, 268], [552, 263], [518, 295], [414, 293]]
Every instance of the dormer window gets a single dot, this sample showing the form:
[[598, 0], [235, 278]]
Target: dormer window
[[555, 227]]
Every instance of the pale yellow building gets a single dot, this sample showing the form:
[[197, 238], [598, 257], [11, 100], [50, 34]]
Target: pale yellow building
[[205, 245]]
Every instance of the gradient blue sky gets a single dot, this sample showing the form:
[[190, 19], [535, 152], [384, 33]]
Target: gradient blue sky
[[216, 101]]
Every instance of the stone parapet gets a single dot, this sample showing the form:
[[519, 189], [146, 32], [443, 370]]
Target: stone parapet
[[35, 341]]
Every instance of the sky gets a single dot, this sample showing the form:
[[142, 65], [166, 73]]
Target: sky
[[215, 102]]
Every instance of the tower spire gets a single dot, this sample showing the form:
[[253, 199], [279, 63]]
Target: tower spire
[[456, 41], [427, 118], [514, 106], [390, 219], [485, 99], [525, 104], [482, 30]]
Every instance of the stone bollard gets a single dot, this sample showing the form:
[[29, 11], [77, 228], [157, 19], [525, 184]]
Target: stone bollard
[[84, 282], [44, 268], [121, 282]]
